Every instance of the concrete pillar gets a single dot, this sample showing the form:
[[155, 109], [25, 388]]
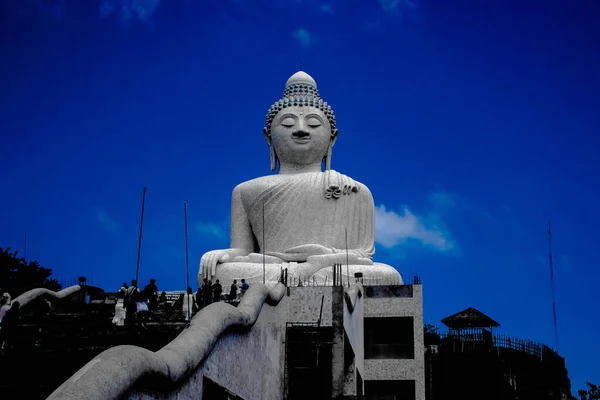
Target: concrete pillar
[[337, 349]]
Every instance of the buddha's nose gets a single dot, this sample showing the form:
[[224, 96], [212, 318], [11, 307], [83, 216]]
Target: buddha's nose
[[300, 133]]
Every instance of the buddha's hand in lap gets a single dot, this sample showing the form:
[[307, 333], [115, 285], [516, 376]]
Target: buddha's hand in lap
[[316, 263], [209, 261], [327, 260], [301, 253]]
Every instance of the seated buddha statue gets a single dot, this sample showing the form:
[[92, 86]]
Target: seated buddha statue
[[303, 219]]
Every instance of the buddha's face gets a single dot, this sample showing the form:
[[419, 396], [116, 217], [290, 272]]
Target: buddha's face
[[300, 135]]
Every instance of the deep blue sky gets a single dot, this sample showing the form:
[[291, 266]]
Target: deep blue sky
[[472, 122]]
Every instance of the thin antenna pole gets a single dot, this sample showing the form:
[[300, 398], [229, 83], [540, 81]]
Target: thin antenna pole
[[187, 273], [137, 269], [25, 247], [263, 242], [347, 263], [552, 283]]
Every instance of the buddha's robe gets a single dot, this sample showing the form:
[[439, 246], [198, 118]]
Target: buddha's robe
[[311, 208], [324, 208]]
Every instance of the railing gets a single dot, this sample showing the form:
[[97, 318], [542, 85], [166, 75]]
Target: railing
[[327, 281], [473, 341]]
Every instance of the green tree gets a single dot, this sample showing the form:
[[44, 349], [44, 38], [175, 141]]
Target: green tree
[[17, 275], [593, 392]]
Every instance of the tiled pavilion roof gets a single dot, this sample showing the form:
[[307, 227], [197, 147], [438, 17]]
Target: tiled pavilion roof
[[469, 318]]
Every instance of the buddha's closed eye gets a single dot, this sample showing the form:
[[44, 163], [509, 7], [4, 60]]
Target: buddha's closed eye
[[314, 122], [288, 122]]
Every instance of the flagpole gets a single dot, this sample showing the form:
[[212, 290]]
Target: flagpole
[[187, 273], [347, 266], [137, 269], [552, 283], [263, 242]]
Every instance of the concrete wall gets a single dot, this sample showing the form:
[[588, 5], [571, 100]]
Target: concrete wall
[[354, 328], [305, 304], [249, 364], [404, 369]]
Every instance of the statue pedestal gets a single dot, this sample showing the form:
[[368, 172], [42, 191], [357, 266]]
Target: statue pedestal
[[376, 274]]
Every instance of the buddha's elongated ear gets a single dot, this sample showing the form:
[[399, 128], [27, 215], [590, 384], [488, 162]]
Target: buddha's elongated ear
[[267, 135], [272, 155], [329, 150], [334, 136]]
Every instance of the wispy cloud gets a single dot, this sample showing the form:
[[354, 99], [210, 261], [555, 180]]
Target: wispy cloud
[[129, 10], [106, 220], [392, 229], [395, 7], [210, 229], [304, 37], [326, 8]]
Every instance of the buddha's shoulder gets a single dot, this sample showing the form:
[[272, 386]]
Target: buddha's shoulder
[[260, 182]]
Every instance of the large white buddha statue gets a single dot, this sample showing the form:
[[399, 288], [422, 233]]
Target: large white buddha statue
[[303, 219]]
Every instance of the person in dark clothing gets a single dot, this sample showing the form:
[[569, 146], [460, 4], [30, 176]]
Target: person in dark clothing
[[199, 299], [129, 302], [233, 291], [151, 293], [245, 286], [207, 293], [217, 290], [178, 304], [8, 327]]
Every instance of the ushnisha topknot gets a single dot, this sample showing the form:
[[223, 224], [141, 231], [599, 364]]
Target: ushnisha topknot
[[300, 90]]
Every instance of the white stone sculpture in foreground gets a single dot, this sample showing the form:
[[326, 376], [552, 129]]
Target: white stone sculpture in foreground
[[312, 218]]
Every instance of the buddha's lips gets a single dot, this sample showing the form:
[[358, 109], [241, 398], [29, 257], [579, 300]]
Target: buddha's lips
[[301, 138]]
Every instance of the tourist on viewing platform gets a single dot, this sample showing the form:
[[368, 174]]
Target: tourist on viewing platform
[[4, 305], [151, 293], [188, 304], [233, 291], [245, 287], [119, 318], [162, 300], [217, 290], [129, 302], [8, 327], [199, 301], [207, 293]]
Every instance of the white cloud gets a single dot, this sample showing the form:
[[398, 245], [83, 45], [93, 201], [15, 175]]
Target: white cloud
[[106, 220], [396, 6], [326, 8], [210, 229], [129, 10], [304, 37], [392, 229]]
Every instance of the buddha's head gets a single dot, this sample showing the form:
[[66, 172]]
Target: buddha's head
[[300, 128]]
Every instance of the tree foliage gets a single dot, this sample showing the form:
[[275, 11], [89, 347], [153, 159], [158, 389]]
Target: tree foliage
[[17, 275], [593, 392]]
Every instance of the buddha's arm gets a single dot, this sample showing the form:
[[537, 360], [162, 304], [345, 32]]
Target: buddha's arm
[[241, 235], [242, 240]]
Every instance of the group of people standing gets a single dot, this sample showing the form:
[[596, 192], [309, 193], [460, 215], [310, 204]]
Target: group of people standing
[[135, 305]]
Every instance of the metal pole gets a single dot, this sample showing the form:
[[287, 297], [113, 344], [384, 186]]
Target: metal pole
[[263, 242], [552, 283], [187, 274], [25, 247], [137, 269], [347, 266]]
